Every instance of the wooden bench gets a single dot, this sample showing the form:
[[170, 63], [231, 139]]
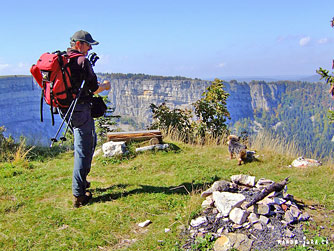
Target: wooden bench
[[154, 136]]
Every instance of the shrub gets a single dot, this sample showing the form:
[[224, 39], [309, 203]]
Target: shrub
[[176, 120], [11, 151], [7, 146], [211, 113]]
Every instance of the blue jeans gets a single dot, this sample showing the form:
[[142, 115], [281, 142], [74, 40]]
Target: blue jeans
[[84, 146]]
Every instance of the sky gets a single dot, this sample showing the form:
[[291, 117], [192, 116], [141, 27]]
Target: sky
[[191, 38]]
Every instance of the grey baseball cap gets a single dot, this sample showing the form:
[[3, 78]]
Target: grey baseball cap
[[84, 36]]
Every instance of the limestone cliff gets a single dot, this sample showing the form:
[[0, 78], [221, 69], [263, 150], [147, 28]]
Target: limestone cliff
[[20, 101], [132, 98], [20, 110]]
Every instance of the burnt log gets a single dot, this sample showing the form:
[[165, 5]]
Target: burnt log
[[274, 187]]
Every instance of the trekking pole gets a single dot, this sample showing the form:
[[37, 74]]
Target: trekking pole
[[92, 57], [71, 113], [54, 139]]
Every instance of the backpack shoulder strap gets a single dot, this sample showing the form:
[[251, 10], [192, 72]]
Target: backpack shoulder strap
[[74, 55]]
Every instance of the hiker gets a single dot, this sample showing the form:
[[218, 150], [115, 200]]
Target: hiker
[[82, 122]]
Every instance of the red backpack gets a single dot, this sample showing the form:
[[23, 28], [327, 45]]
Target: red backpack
[[54, 77]]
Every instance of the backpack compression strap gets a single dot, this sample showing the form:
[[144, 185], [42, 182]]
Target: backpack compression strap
[[63, 67]]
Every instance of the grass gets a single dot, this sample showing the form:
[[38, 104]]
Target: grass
[[164, 187]]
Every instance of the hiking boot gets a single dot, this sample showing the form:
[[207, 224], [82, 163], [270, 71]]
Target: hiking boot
[[88, 195], [82, 200], [79, 201]]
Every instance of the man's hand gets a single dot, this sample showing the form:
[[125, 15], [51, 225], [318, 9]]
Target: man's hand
[[106, 84]]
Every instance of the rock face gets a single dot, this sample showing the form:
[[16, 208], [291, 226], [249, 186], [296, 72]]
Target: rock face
[[20, 98], [132, 98], [20, 110]]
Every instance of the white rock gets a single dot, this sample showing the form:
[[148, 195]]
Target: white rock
[[279, 201], [198, 221], [220, 230], [259, 209], [258, 226], [279, 209], [288, 217], [238, 215], [271, 226], [288, 203], [236, 226], [161, 146], [220, 186], [233, 241], [304, 216], [304, 162], [202, 230], [144, 148], [113, 148], [264, 219], [253, 218], [295, 211], [193, 233], [152, 147], [267, 201], [145, 223], [208, 202], [243, 179], [262, 183], [225, 201]]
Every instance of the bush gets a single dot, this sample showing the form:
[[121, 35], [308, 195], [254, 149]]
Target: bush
[[19, 153], [211, 113], [177, 121], [7, 146]]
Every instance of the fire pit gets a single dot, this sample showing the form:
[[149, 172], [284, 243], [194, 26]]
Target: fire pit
[[245, 215]]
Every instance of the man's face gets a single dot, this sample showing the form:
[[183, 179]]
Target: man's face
[[84, 47]]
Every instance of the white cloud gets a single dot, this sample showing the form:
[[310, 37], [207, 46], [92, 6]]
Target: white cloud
[[3, 66], [21, 65], [323, 40], [18, 69], [221, 65], [304, 41], [287, 38]]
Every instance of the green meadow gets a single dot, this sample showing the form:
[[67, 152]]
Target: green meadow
[[161, 186]]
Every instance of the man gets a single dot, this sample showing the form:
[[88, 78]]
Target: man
[[82, 121]]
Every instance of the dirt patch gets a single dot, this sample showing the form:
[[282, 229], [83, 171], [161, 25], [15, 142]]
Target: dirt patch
[[322, 223]]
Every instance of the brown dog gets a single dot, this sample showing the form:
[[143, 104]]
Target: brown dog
[[236, 148]]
